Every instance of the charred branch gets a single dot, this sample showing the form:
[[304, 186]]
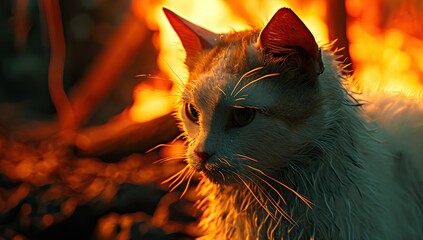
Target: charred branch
[[120, 138]]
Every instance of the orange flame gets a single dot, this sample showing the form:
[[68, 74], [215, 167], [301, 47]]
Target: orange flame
[[385, 59], [218, 16], [150, 103]]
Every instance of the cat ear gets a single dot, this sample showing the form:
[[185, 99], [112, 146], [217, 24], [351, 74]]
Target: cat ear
[[285, 33], [194, 38]]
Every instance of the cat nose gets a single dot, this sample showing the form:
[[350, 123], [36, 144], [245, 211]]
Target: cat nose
[[203, 156]]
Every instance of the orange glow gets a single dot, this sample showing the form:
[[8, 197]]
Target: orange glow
[[385, 59], [106, 226], [47, 220], [26, 209], [386, 47], [19, 237], [213, 14], [68, 207], [217, 16], [150, 104]]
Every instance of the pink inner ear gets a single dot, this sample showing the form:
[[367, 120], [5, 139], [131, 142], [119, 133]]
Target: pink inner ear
[[193, 37], [285, 30]]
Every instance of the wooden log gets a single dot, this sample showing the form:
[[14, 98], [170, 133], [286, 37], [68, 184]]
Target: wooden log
[[122, 137]]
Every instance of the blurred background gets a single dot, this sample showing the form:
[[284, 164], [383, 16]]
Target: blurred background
[[87, 88]]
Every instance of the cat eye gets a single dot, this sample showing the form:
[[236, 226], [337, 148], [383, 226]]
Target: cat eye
[[191, 112], [242, 116]]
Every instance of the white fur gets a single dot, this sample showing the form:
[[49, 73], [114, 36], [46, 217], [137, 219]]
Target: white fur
[[365, 184]]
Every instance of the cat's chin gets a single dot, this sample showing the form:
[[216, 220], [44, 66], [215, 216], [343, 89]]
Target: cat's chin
[[213, 177], [213, 173], [216, 177]]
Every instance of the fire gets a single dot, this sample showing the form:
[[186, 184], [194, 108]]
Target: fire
[[150, 103], [389, 67], [218, 16], [385, 59]]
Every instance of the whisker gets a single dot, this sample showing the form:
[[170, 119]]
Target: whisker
[[176, 175], [247, 74], [245, 106], [304, 199], [177, 182], [256, 80], [221, 90], [163, 160], [258, 201], [275, 204], [191, 174], [158, 146], [246, 204], [242, 97], [273, 188], [255, 196], [291, 228], [177, 138], [224, 161], [147, 75], [173, 71], [168, 159], [246, 157], [180, 83], [223, 175]]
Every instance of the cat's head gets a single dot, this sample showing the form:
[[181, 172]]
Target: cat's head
[[249, 107]]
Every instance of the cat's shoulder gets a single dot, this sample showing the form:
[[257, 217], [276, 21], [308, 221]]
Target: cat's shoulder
[[400, 120], [394, 111]]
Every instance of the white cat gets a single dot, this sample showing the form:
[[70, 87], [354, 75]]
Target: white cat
[[286, 151]]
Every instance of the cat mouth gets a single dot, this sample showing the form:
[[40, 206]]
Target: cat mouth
[[217, 174], [209, 170], [204, 167], [198, 166], [212, 169]]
